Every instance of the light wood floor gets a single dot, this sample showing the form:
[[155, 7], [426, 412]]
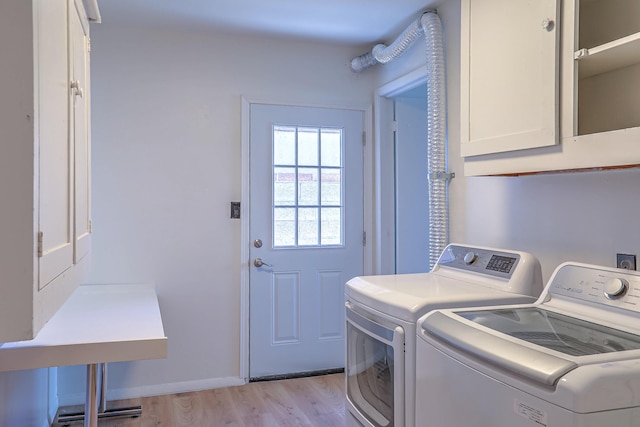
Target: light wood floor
[[312, 401]]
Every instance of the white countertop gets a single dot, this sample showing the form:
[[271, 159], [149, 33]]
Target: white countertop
[[97, 324]]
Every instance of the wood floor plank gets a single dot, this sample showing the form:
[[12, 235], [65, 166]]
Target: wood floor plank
[[188, 409], [280, 404], [308, 398], [219, 408], [302, 402], [247, 400]]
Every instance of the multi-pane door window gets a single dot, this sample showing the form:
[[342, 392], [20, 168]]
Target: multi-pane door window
[[307, 186]]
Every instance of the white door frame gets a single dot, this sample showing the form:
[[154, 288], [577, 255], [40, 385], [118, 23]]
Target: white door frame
[[244, 211], [384, 236]]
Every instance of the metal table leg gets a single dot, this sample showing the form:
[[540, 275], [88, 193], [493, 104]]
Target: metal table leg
[[95, 406], [91, 401]]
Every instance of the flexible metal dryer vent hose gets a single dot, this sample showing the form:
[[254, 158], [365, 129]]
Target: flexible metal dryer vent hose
[[430, 26], [382, 53]]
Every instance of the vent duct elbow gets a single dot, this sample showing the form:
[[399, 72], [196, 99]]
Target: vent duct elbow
[[382, 53]]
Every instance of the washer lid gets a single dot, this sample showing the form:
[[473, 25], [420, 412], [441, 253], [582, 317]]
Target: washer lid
[[555, 331], [530, 363], [409, 296], [535, 330]]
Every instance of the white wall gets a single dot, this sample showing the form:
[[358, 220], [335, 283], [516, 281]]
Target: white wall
[[586, 216], [24, 398], [166, 164]]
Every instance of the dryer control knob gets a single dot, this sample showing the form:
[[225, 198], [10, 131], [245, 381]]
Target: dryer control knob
[[469, 257], [615, 288]]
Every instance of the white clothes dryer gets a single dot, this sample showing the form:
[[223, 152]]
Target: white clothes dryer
[[571, 359], [382, 312]]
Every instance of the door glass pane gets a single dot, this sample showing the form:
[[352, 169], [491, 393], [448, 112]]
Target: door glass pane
[[331, 226], [331, 187], [284, 226], [331, 147], [307, 226], [314, 191], [308, 186], [284, 145], [308, 146], [284, 186]]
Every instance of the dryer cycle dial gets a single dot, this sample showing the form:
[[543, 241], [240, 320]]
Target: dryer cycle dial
[[470, 257], [615, 288]]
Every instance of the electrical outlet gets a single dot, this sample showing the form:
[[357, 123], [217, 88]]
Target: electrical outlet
[[626, 261]]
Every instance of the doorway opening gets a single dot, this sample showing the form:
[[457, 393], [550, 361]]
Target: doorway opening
[[411, 196], [402, 175]]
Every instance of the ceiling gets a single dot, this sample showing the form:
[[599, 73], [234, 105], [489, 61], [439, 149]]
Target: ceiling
[[340, 21]]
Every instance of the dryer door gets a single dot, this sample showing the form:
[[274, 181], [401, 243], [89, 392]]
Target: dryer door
[[375, 370]]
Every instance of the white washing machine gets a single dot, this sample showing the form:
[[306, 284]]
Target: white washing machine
[[571, 359], [382, 312]]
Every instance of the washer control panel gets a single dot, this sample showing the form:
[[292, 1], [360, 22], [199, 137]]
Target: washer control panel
[[601, 285], [480, 260]]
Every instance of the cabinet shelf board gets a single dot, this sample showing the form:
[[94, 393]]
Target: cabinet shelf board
[[610, 56]]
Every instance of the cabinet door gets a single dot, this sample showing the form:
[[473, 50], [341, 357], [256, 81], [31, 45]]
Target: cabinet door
[[79, 66], [54, 145], [509, 75]]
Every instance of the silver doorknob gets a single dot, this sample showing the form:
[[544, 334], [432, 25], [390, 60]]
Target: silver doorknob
[[259, 263]]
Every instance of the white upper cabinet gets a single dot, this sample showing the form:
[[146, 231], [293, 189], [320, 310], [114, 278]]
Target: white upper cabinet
[[44, 160], [599, 88], [79, 46], [509, 75], [55, 183]]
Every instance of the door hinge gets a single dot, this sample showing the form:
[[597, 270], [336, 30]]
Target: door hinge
[[88, 45], [40, 236], [394, 126], [364, 138], [90, 226], [364, 238]]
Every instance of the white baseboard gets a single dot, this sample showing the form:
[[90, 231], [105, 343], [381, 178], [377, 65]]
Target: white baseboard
[[156, 390]]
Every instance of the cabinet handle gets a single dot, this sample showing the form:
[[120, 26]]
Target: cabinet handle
[[547, 24]]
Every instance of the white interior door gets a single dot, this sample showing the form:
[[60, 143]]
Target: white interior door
[[306, 225]]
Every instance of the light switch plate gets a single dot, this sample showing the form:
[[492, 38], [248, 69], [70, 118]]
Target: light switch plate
[[235, 210]]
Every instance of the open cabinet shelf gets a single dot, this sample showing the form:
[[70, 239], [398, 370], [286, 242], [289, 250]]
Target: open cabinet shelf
[[608, 57]]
